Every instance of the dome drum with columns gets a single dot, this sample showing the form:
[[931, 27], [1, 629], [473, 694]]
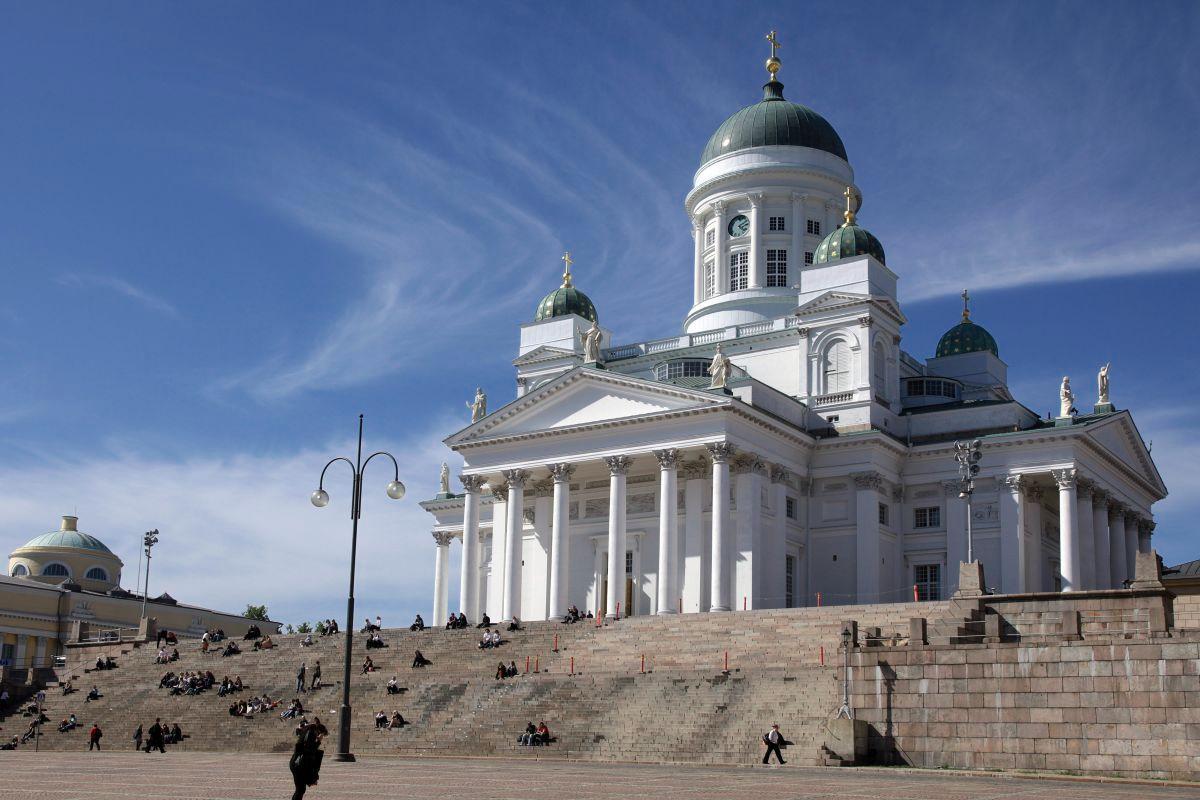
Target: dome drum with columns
[[67, 554], [781, 443]]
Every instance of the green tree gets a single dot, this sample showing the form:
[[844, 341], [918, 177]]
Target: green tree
[[256, 612], [288, 629], [304, 627], [321, 627]]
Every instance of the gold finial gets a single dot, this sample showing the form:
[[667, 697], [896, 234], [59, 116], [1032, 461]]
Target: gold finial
[[966, 308], [566, 259], [773, 63], [849, 215]]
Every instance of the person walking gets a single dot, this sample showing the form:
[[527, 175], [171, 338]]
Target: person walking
[[316, 675], [137, 738], [773, 739], [94, 737], [157, 735], [300, 685], [305, 763]]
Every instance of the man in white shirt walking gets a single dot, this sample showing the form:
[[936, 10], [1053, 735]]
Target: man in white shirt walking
[[773, 739]]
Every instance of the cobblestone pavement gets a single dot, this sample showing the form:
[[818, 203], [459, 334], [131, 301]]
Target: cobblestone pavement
[[25, 775]]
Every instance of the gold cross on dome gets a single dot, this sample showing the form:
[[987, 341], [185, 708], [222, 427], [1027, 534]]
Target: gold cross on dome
[[567, 261], [966, 308], [849, 215], [774, 43]]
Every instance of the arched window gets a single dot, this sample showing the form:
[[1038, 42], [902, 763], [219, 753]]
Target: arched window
[[96, 574], [56, 571], [837, 367], [20, 571]]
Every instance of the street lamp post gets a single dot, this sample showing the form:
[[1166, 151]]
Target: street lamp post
[[149, 540], [968, 457], [320, 499]]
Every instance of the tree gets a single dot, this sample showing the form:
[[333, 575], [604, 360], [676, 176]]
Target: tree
[[256, 612], [288, 629], [304, 627], [321, 627]]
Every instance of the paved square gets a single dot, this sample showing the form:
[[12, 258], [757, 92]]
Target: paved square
[[25, 775]]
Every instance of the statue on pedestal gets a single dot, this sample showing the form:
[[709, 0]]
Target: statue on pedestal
[[719, 369], [591, 343], [1102, 385], [479, 407], [1066, 398], [445, 479]]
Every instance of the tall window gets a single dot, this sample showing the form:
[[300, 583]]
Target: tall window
[[790, 506], [710, 236], [837, 367], [808, 258], [739, 271], [930, 517], [883, 514], [789, 582], [928, 578], [710, 279], [777, 268], [775, 224], [879, 368], [814, 227]]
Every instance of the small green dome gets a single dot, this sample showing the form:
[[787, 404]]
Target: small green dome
[[967, 337], [72, 539], [849, 241], [563, 301], [774, 121]]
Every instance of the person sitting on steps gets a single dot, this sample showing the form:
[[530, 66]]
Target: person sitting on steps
[[393, 687], [381, 720], [67, 688], [368, 666], [252, 632], [486, 642], [542, 736], [526, 738], [419, 660], [501, 671], [418, 624], [398, 720], [451, 623], [462, 620], [94, 694], [231, 649], [512, 669], [375, 640], [307, 641], [484, 622], [515, 624]]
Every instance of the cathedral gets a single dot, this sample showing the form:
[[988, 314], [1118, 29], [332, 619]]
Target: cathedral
[[782, 449]]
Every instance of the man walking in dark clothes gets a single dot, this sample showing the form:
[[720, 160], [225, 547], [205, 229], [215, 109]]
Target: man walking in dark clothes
[[316, 675], [157, 735], [772, 740], [94, 736], [305, 762], [300, 687]]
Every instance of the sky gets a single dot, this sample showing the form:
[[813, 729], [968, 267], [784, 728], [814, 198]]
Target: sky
[[227, 229]]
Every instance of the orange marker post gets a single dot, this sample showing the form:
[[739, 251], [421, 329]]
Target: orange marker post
[[818, 599], [822, 655], [572, 672], [643, 663], [916, 599], [617, 615], [526, 665], [726, 661], [537, 664], [556, 642]]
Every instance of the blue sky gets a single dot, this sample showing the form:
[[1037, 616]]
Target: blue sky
[[227, 229]]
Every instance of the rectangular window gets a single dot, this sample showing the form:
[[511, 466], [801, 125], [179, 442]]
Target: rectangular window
[[808, 258], [739, 271], [814, 227], [928, 578], [710, 279], [777, 268], [7, 654], [789, 582], [710, 237], [790, 507], [930, 517], [628, 562], [883, 514], [775, 224]]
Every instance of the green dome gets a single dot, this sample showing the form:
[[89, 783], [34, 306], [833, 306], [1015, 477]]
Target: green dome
[[563, 301], [73, 539], [849, 241], [774, 121], [967, 337]]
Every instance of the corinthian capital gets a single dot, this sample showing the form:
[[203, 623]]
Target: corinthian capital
[[1015, 483], [667, 459], [471, 483], [721, 451], [618, 465], [516, 478], [443, 538], [1065, 478], [562, 472]]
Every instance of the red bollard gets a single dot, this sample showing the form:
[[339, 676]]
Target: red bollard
[[822, 655], [617, 615], [526, 665], [556, 642], [599, 620], [537, 664], [643, 663], [743, 602], [818, 599], [681, 605], [727, 661], [916, 599], [572, 672]]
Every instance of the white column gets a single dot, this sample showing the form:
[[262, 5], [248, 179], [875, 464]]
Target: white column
[[747, 523], [514, 542], [799, 224], [1116, 543], [668, 530], [1012, 535], [722, 254], [1131, 544], [468, 587], [441, 578], [956, 533], [756, 261], [867, 486], [1036, 557], [719, 560], [1087, 551], [774, 562], [493, 603], [618, 468], [559, 535], [696, 547], [1145, 531], [535, 592], [1068, 530], [1100, 539], [698, 237], [19, 656]]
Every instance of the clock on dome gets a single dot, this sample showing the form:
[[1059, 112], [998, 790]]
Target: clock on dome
[[739, 226]]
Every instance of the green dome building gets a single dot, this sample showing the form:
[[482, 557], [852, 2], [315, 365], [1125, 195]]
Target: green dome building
[[966, 337], [774, 121], [849, 241], [566, 300]]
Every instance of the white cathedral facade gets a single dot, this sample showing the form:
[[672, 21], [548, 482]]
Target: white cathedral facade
[[624, 478]]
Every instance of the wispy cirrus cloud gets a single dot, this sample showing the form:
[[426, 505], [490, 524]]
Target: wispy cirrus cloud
[[78, 280]]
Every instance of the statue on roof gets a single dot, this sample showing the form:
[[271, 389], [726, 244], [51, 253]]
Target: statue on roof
[[591, 343], [719, 369], [479, 407], [444, 487], [1066, 398], [1102, 384]]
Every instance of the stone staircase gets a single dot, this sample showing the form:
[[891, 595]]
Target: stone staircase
[[592, 692]]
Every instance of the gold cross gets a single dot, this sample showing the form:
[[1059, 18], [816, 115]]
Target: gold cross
[[566, 259], [849, 215], [966, 309], [774, 44]]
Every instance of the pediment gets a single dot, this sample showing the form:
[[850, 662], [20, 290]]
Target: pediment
[[842, 301], [586, 397], [1119, 437], [544, 352]]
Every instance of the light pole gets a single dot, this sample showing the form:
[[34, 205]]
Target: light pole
[[320, 499], [968, 457], [149, 540]]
